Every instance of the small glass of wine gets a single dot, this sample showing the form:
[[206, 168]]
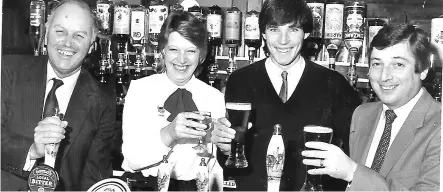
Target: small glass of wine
[[200, 147]]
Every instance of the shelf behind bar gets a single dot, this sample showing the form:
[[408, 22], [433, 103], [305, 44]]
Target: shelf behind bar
[[324, 63]]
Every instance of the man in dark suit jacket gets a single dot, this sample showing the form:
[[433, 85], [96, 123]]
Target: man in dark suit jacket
[[315, 95], [83, 157], [408, 158]]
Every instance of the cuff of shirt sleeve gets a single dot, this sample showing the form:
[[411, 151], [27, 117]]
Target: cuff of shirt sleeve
[[29, 163]]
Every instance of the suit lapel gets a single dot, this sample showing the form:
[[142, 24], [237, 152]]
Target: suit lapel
[[367, 133], [34, 92], [405, 136], [82, 99]]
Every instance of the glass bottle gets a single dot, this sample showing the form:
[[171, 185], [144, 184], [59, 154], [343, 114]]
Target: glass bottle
[[275, 159], [158, 11], [214, 25], [51, 5], [175, 8], [122, 13], [333, 29], [138, 23], [314, 42], [104, 14], [252, 34], [355, 16], [232, 35], [196, 11], [37, 25]]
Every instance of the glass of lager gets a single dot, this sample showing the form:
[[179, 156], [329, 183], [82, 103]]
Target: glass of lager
[[238, 116], [321, 134]]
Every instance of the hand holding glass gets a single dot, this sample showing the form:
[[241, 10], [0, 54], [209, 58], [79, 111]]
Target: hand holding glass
[[315, 133], [238, 116]]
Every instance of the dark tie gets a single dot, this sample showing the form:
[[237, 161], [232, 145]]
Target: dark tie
[[51, 100], [179, 101], [284, 87], [384, 141]]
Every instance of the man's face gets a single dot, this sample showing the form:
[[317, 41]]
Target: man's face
[[284, 43], [69, 39], [392, 75]]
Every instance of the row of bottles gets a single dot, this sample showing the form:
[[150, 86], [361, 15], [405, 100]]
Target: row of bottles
[[337, 23], [136, 29]]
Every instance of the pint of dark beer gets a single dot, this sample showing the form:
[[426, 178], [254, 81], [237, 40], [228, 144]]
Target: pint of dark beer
[[321, 134], [238, 116]]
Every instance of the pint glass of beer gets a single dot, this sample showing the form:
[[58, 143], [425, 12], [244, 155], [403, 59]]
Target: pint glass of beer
[[321, 134], [238, 115]]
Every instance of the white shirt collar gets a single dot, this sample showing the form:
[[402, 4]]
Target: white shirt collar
[[404, 110], [68, 81], [294, 74]]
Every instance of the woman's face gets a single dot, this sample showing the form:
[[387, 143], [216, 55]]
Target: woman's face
[[181, 58]]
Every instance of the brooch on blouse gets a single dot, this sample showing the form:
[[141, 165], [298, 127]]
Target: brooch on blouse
[[161, 111]]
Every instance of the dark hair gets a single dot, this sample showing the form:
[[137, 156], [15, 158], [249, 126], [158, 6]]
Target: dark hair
[[189, 27], [418, 42], [280, 12], [84, 6]]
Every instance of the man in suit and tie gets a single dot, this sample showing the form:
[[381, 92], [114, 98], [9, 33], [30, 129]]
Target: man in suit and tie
[[288, 91], [31, 84], [394, 143]]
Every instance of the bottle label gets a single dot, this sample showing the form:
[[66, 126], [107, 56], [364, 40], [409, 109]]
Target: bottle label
[[317, 14], [137, 25], [437, 30], [213, 25], [354, 18], [334, 21], [252, 30], [275, 158], [373, 30], [103, 15], [121, 20], [157, 15], [36, 17], [232, 24]]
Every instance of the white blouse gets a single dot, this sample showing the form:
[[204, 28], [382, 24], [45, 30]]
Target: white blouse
[[143, 118]]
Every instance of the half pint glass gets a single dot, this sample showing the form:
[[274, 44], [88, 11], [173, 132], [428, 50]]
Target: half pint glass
[[315, 133], [238, 116]]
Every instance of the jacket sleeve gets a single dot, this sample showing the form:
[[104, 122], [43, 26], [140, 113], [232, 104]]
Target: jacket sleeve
[[98, 165], [14, 147], [346, 99]]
